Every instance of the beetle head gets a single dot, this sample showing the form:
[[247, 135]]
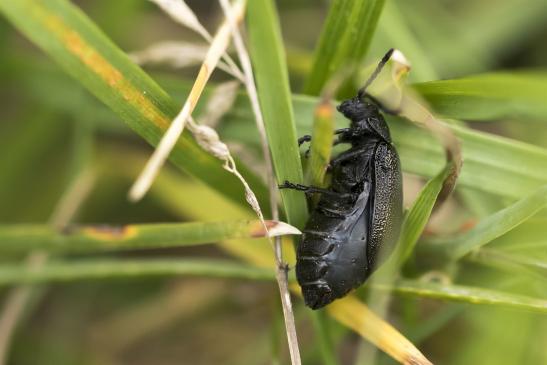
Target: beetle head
[[365, 118], [353, 109]]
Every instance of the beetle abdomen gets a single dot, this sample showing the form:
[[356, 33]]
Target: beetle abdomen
[[331, 257]]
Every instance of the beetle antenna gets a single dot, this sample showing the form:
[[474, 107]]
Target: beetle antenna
[[375, 74]]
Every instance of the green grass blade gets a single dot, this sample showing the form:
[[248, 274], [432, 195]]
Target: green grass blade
[[513, 263], [418, 215], [24, 238], [489, 96], [74, 41], [466, 294], [108, 269], [268, 57], [496, 225], [321, 143], [344, 40], [324, 338], [492, 164]]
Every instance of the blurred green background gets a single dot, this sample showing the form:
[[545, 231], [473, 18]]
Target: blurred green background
[[52, 129]]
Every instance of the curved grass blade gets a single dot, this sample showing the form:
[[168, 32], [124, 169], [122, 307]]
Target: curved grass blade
[[344, 40], [467, 294], [71, 39], [494, 226], [23, 238], [106, 269], [489, 96], [417, 218]]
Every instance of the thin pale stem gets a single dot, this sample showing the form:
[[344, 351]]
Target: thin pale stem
[[218, 47], [281, 271]]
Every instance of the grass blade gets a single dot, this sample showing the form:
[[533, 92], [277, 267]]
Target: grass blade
[[465, 294], [71, 39], [268, 57], [354, 314], [418, 216], [321, 143], [495, 225], [489, 96], [22, 238], [344, 40], [512, 263], [272, 81], [105, 269]]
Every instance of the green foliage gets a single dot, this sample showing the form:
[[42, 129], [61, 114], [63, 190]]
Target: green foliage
[[487, 247], [344, 39], [272, 80]]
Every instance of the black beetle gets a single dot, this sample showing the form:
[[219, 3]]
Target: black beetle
[[359, 213]]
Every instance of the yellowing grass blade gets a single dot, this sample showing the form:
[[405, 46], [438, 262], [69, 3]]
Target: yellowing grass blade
[[357, 316]]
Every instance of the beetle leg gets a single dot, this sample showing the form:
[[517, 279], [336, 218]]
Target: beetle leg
[[342, 130], [312, 189], [303, 139]]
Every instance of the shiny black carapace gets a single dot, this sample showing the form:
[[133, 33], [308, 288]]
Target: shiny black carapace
[[359, 214]]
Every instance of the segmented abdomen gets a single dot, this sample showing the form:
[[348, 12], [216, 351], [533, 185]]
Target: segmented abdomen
[[331, 257]]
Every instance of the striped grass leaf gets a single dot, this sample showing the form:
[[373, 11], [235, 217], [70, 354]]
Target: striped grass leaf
[[69, 37]]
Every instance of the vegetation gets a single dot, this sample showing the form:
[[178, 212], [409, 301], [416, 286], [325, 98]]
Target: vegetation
[[187, 274]]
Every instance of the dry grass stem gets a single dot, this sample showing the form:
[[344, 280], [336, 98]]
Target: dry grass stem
[[176, 54], [219, 103], [281, 272], [180, 12], [218, 47]]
